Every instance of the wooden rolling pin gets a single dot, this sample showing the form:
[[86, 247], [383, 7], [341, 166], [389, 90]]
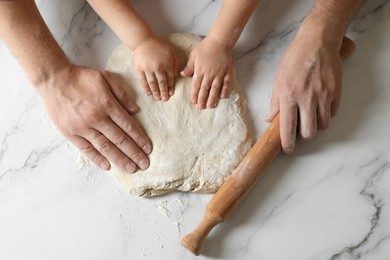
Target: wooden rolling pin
[[244, 177]]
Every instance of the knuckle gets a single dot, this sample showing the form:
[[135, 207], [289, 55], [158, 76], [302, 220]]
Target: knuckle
[[120, 140], [130, 126], [152, 83], [140, 69], [206, 86], [105, 147], [137, 156], [215, 86], [108, 103], [122, 93], [86, 149], [93, 117]]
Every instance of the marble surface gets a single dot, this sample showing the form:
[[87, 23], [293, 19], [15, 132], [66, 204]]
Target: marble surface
[[328, 200]]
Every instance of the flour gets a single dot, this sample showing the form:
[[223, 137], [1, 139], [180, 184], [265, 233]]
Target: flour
[[162, 207], [82, 161]]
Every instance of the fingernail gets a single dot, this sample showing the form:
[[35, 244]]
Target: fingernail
[[144, 164], [149, 93], [130, 168], [147, 149], [133, 107], [165, 97], [290, 149], [105, 166], [171, 92], [200, 106]]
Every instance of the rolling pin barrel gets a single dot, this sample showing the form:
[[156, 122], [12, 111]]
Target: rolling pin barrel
[[244, 177]]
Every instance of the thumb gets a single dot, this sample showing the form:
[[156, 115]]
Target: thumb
[[176, 64], [189, 68]]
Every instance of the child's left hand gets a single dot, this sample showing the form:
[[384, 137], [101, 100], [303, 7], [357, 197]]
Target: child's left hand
[[210, 64]]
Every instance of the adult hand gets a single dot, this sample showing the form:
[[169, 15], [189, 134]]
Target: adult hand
[[210, 64], [156, 64], [93, 111], [307, 87]]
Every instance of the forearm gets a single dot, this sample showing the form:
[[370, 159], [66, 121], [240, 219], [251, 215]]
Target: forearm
[[124, 21], [28, 38], [232, 18], [329, 20]]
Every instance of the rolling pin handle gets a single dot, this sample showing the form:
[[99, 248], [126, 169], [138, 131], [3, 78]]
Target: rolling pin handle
[[195, 240], [244, 177]]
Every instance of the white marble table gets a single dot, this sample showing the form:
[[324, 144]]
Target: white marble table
[[329, 200]]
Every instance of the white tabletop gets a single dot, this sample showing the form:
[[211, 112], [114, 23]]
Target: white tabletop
[[330, 199]]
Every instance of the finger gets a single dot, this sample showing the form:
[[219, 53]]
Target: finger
[[288, 125], [176, 64], [225, 91], [323, 116], [121, 95], [195, 87], [125, 144], [214, 92], [308, 121], [334, 107], [189, 68], [204, 92], [171, 82], [144, 82], [274, 105], [172, 74], [92, 154], [110, 151], [152, 81], [163, 85], [128, 125]]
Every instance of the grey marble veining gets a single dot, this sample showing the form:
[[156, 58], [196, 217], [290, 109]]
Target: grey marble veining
[[328, 200]]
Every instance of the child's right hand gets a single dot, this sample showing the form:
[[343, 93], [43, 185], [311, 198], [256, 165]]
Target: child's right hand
[[157, 65]]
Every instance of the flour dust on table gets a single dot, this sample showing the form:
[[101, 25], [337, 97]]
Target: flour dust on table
[[193, 150]]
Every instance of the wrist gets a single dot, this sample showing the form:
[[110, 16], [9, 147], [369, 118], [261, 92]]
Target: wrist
[[136, 42], [218, 43], [325, 24], [318, 30], [47, 78]]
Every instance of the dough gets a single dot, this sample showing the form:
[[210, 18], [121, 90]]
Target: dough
[[193, 150]]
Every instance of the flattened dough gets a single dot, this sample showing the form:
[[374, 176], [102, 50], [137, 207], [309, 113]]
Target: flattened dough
[[193, 150]]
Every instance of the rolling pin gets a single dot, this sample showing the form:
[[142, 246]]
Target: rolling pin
[[244, 177]]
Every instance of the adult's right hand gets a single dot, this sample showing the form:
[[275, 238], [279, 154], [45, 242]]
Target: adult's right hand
[[93, 111]]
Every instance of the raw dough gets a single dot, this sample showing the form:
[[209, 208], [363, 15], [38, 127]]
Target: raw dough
[[193, 150]]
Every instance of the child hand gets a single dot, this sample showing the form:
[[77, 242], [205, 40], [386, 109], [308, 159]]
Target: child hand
[[210, 64], [156, 64]]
